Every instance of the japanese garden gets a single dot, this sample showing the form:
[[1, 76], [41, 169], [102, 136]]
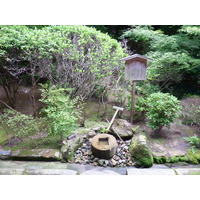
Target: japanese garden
[[100, 99]]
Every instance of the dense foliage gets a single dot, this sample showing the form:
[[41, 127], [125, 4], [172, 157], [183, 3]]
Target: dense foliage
[[162, 109], [71, 56], [176, 57], [61, 111], [21, 125]]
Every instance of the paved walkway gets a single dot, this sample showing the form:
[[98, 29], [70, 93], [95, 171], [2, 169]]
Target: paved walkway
[[58, 168]]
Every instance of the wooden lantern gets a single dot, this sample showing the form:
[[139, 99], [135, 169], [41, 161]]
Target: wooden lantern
[[135, 70]]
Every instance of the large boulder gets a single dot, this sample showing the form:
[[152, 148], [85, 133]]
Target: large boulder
[[123, 128], [140, 151], [70, 147]]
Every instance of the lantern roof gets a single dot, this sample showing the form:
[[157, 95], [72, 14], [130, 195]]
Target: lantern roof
[[135, 56]]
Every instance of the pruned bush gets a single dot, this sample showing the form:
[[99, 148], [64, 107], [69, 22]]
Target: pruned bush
[[162, 109], [76, 57]]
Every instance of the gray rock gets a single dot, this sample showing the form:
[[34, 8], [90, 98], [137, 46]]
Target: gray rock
[[140, 152], [5, 155], [69, 148], [101, 162], [113, 162], [123, 128], [106, 162]]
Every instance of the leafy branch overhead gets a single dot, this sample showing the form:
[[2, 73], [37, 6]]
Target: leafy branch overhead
[[77, 57]]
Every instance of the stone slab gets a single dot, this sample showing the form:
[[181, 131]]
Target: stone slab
[[95, 172], [36, 154], [5, 155], [50, 172], [150, 172], [188, 171], [15, 171]]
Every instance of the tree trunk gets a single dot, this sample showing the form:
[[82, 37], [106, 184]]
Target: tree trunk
[[33, 96]]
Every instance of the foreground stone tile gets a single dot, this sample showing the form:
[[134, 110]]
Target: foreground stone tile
[[150, 172], [188, 171], [4, 171], [50, 172], [95, 172]]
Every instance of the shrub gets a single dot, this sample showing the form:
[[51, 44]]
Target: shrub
[[144, 91], [21, 125], [61, 111], [194, 141], [191, 115], [74, 56], [162, 108]]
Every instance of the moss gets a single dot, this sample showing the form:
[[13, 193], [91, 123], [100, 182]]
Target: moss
[[3, 136], [175, 159], [197, 154], [141, 154], [158, 159], [90, 123], [194, 173], [70, 156], [191, 157], [183, 159], [161, 159]]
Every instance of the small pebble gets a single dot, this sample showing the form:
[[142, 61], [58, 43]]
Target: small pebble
[[122, 158]]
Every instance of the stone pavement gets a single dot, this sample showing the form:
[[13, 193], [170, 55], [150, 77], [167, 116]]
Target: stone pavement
[[58, 168]]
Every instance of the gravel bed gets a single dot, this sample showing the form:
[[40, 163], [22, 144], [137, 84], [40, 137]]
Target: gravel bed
[[122, 158]]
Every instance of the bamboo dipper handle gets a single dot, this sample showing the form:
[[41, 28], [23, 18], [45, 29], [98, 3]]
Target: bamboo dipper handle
[[113, 118]]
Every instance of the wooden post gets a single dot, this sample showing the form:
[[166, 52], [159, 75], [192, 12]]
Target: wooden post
[[133, 101]]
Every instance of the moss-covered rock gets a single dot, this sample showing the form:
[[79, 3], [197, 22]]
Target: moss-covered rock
[[70, 147], [140, 151]]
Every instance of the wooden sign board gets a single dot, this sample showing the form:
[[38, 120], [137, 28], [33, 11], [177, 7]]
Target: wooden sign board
[[136, 67], [135, 70]]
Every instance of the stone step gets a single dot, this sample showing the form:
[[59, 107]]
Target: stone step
[[36, 155], [95, 172], [7, 171], [188, 171], [150, 171]]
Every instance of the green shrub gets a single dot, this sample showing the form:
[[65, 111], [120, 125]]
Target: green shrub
[[143, 90], [194, 141], [21, 125], [162, 109], [61, 111]]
